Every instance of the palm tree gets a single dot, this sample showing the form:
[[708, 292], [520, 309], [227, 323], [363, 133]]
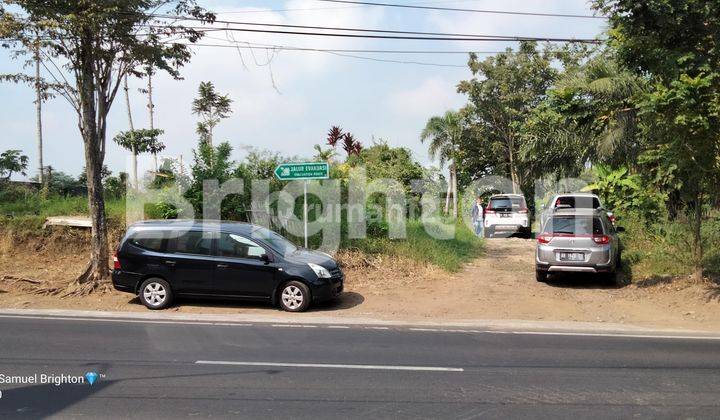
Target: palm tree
[[444, 133], [608, 89]]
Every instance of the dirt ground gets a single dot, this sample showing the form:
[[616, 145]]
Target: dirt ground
[[499, 285]]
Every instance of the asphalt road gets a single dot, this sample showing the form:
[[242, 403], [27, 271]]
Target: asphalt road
[[178, 370]]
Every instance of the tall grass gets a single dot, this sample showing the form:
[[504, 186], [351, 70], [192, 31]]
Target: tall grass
[[665, 248], [449, 254], [34, 205]]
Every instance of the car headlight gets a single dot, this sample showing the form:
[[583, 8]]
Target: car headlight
[[320, 271]]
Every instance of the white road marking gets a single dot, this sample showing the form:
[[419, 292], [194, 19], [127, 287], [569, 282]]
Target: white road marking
[[344, 327], [332, 366]]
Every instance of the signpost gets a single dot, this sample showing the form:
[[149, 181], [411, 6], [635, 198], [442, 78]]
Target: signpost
[[303, 171]]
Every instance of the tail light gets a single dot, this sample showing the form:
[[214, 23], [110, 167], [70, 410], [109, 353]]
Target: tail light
[[523, 211], [601, 239], [116, 262], [489, 211], [544, 238]]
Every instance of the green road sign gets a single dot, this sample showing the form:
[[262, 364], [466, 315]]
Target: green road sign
[[300, 171]]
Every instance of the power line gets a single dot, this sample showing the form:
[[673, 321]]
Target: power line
[[394, 37], [366, 30], [328, 51], [385, 31], [453, 9]]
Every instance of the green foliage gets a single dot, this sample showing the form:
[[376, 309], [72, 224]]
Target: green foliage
[[589, 115], [116, 186], [680, 114], [212, 108], [664, 248], [384, 162], [140, 140], [12, 161], [624, 192], [445, 134], [210, 163], [503, 92]]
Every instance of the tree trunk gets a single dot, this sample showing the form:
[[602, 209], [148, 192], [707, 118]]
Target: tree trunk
[[134, 179], [151, 109], [513, 173], [697, 239], [453, 176], [94, 141], [38, 117], [448, 194]]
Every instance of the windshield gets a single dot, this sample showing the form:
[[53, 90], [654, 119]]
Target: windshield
[[277, 242]]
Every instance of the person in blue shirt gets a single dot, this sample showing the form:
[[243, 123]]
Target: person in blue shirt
[[478, 215]]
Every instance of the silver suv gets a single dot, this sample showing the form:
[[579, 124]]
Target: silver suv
[[578, 241]]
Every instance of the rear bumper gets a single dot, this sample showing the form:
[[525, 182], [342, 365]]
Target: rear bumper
[[573, 269], [506, 223], [124, 281], [597, 261]]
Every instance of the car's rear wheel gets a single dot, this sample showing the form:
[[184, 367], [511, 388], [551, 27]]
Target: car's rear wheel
[[489, 231], [155, 293], [541, 276], [294, 296]]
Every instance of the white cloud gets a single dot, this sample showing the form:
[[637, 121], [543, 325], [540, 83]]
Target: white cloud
[[432, 96]]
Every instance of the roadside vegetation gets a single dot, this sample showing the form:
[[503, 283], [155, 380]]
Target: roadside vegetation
[[636, 116]]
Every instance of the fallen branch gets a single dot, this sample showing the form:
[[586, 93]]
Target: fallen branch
[[17, 279]]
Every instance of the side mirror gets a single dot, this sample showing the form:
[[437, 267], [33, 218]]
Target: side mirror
[[620, 229], [268, 258]]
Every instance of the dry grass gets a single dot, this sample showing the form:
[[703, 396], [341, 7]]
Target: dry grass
[[378, 272]]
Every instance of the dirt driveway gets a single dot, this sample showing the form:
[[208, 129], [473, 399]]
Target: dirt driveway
[[502, 285], [499, 285]]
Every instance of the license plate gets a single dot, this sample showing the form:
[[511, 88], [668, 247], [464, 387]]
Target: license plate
[[504, 214], [571, 256]]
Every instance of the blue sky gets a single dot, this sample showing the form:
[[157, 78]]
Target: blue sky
[[386, 101]]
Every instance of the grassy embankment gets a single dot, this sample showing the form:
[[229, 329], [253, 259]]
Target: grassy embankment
[[27, 216], [665, 249]]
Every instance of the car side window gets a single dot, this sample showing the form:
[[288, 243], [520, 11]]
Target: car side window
[[151, 240], [237, 246], [193, 242]]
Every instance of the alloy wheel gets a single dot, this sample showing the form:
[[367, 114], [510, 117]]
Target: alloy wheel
[[292, 297], [155, 294]]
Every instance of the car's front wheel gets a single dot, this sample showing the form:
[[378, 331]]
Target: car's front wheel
[[155, 293], [294, 296], [541, 276]]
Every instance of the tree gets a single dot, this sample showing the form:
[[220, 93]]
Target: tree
[[502, 93], [350, 145], [445, 134], [589, 115], [11, 161], [99, 43], [324, 155], [674, 44], [212, 108], [139, 141], [42, 90]]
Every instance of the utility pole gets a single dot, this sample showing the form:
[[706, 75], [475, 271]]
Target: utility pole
[[38, 114]]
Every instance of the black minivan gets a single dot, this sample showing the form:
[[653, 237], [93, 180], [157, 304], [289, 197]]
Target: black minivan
[[162, 259]]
